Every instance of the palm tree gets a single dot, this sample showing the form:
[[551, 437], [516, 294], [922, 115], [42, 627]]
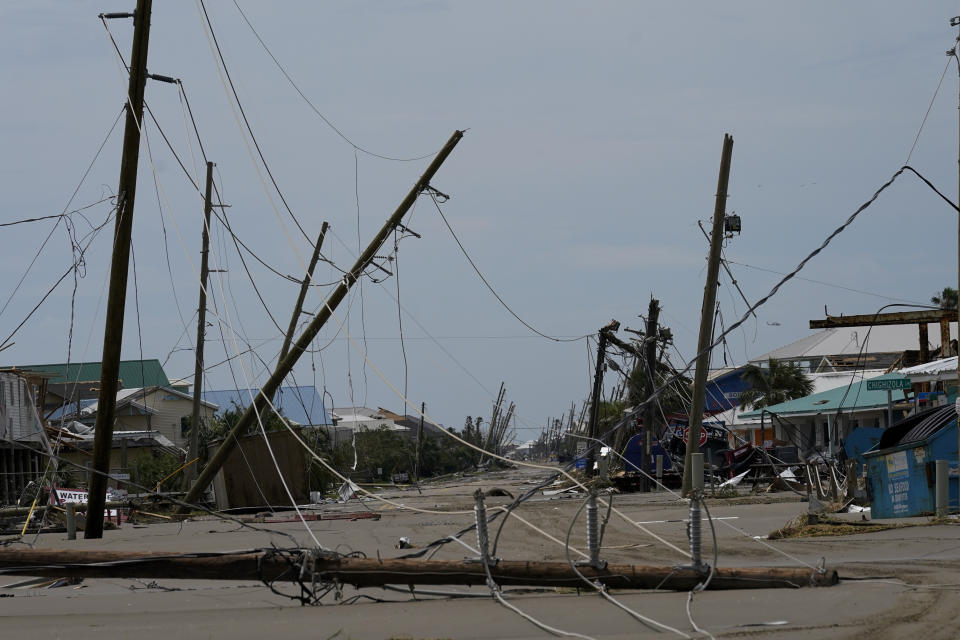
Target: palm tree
[[672, 400], [773, 384], [947, 299]]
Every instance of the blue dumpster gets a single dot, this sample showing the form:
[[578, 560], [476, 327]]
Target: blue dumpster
[[633, 453], [901, 471], [861, 440]]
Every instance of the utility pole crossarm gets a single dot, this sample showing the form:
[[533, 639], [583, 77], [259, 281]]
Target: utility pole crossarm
[[626, 346]]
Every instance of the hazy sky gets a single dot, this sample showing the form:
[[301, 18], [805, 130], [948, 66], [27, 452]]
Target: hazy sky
[[592, 150]]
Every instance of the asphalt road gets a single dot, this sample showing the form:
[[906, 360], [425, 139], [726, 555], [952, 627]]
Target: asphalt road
[[894, 584]]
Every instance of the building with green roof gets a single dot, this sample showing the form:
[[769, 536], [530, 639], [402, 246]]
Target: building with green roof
[[81, 380], [819, 421]]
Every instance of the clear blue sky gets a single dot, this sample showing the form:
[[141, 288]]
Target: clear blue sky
[[593, 146]]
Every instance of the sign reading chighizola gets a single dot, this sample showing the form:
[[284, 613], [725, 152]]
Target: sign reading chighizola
[[888, 384]]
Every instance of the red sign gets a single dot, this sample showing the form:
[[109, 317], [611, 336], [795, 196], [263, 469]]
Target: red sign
[[703, 436]]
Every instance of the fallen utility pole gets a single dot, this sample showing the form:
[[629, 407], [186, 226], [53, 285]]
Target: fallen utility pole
[[201, 325], [285, 365], [706, 314], [363, 572], [120, 262]]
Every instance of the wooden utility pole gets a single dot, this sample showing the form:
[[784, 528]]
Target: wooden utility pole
[[304, 288], [494, 419], [595, 406], [416, 468], [650, 413], [596, 396], [706, 313], [201, 327], [372, 572], [297, 309], [285, 365], [956, 54], [117, 297], [946, 350]]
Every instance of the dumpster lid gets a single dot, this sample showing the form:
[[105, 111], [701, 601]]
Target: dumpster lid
[[918, 427]]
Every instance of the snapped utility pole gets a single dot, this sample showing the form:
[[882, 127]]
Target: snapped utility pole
[[201, 327], [650, 413], [285, 365], [117, 297], [706, 315]]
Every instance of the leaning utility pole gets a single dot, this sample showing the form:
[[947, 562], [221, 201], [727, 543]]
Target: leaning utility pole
[[596, 396], [494, 419], [117, 298], [201, 327], [706, 314], [650, 413], [285, 365], [298, 308], [304, 288]]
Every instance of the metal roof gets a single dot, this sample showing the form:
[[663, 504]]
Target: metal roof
[[849, 341], [826, 380], [88, 407], [302, 405], [858, 398], [932, 370], [133, 373], [71, 409]]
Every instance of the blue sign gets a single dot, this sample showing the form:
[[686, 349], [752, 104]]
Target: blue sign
[[723, 392]]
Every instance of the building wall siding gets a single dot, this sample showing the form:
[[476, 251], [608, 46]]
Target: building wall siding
[[171, 409], [17, 419]]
